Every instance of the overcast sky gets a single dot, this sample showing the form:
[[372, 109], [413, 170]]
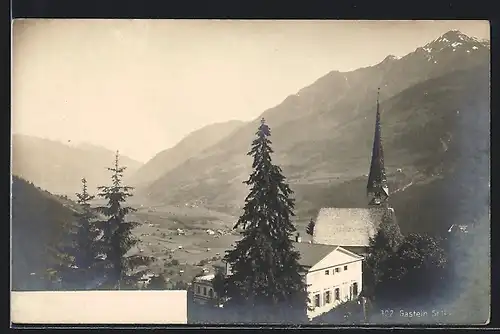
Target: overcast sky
[[140, 86]]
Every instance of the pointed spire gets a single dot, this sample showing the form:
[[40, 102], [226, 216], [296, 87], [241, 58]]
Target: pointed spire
[[377, 180]]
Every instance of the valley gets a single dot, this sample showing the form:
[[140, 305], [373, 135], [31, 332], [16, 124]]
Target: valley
[[435, 114]]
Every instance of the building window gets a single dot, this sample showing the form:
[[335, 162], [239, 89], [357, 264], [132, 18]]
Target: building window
[[204, 291], [210, 293], [355, 289], [345, 267], [328, 297], [337, 270], [316, 300], [198, 290], [337, 294], [327, 272]]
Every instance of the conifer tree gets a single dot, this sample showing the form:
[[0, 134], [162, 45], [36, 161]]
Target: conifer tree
[[85, 254], [219, 285], [78, 255], [310, 227], [266, 275], [117, 238]]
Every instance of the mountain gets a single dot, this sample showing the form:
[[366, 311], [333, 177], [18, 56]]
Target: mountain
[[59, 168], [38, 223], [435, 114], [187, 148]]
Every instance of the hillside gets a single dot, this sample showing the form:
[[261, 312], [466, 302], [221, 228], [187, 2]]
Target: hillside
[[187, 148], [435, 114], [38, 223], [59, 168]]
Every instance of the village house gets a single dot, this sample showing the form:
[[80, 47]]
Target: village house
[[203, 291], [333, 275]]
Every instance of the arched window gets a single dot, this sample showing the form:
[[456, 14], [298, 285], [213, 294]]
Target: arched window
[[210, 293]]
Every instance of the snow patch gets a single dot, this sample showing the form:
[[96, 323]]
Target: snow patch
[[474, 48], [455, 44], [468, 51], [427, 49]]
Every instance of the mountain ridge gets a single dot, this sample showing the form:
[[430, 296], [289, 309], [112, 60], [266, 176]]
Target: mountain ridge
[[59, 168], [191, 145], [324, 115]]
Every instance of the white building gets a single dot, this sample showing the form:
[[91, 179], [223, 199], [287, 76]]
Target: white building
[[203, 290], [333, 275]]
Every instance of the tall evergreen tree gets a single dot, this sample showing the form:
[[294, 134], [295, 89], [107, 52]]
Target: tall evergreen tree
[[266, 274], [310, 227], [117, 238], [85, 250], [77, 253]]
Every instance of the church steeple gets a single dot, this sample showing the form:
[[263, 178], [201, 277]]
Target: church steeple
[[377, 188]]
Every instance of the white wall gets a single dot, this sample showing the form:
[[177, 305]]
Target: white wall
[[319, 282], [204, 286]]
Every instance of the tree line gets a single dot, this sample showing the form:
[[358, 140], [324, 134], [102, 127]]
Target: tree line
[[95, 253]]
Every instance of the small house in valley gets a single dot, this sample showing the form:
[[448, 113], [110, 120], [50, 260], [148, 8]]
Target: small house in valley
[[203, 290]]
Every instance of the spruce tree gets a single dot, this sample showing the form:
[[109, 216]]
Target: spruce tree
[[77, 252], [84, 250], [117, 238], [310, 227], [266, 274]]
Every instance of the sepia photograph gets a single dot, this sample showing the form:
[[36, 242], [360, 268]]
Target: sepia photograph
[[222, 172]]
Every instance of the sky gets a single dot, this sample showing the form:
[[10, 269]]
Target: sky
[[140, 86]]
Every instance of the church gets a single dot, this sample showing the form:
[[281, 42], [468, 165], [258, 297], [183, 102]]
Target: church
[[352, 228]]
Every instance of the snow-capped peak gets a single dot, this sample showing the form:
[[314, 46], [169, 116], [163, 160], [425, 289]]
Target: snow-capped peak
[[389, 58], [453, 39]]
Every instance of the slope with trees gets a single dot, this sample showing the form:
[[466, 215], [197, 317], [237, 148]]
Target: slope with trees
[[39, 226]]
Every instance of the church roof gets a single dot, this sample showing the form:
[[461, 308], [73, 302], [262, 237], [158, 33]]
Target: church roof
[[347, 226]]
